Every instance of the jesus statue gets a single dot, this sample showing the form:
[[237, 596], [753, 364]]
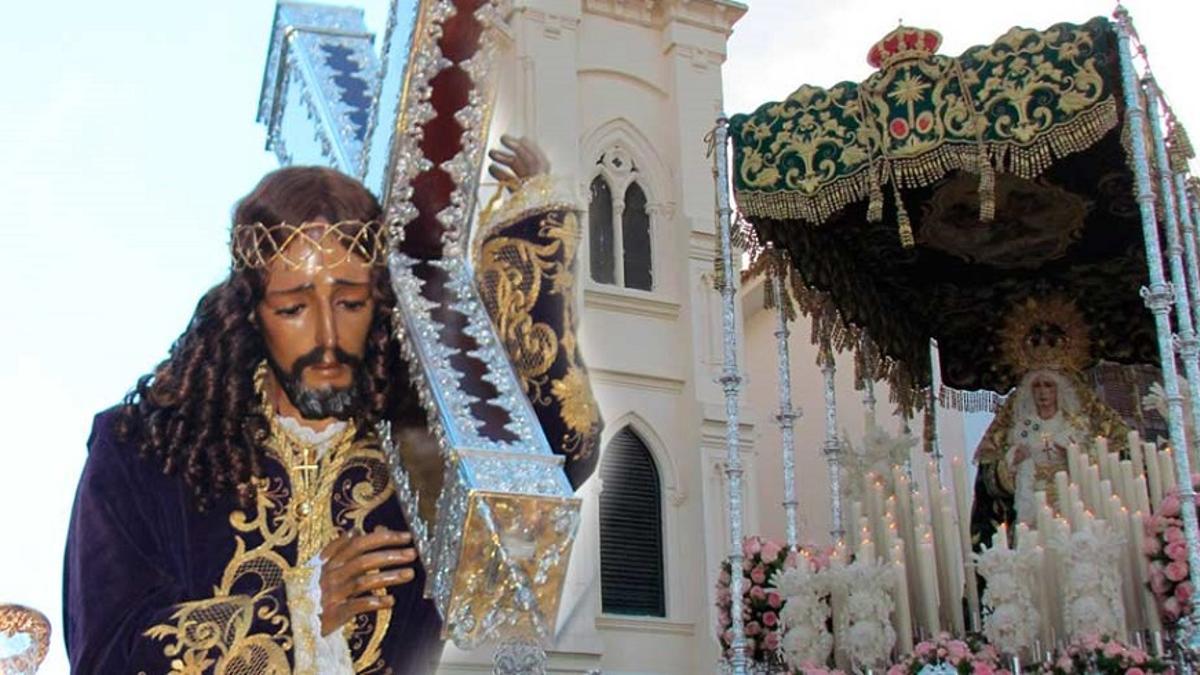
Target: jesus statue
[[236, 513]]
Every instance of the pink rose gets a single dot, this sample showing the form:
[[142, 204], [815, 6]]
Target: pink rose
[[1158, 580], [1174, 534], [1176, 571], [774, 600], [724, 578], [751, 546], [923, 649], [982, 668], [1151, 545], [896, 670], [1183, 592], [1169, 506], [1135, 671], [771, 642], [1139, 656], [727, 637], [1064, 664], [771, 550], [770, 619], [758, 575], [750, 644], [753, 628], [758, 593], [1171, 609], [1177, 550], [725, 619], [957, 650], [747, 564], [1113, 649]]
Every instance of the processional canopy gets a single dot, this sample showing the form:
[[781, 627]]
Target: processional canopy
[[412, 122], [939, 193]]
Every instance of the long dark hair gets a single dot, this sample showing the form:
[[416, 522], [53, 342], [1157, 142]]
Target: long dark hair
[[197, 413]]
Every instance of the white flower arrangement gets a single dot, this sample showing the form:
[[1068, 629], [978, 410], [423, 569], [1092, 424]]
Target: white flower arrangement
[[1012, 625], [869, 635], [1092, 592], [805, 614]]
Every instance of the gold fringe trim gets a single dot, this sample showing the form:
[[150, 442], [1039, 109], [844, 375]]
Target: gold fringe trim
[[1026, 161]]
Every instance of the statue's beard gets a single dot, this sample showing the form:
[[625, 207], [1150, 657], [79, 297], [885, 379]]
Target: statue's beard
[[324, 402]]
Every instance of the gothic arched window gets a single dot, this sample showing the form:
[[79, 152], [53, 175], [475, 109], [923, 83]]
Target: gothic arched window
[[631, 550], [619, 224], [600, 232], [635, 236]]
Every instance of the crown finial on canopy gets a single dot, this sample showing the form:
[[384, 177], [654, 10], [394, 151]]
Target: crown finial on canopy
[[902, 44]]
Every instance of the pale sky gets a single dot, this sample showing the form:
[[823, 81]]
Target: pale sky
[[127, 131]]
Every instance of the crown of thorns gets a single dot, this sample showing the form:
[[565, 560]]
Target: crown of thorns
[[257, 246]]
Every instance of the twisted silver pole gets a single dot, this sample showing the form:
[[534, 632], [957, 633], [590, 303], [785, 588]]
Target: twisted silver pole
[[786, 416], [1158, 297], [1187, 222], [731, 382], [1185, 343], [832, 448]]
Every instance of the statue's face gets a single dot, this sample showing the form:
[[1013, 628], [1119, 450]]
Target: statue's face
[[1045, 395], [315, 319]]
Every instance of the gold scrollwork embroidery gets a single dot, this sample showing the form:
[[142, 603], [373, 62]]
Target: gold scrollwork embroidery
[[319, 501]]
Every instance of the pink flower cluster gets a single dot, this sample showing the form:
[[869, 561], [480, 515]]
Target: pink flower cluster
[[761, 602], [1103, 655], [1166, 549], [966, 659]]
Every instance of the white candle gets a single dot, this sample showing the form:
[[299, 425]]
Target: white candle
[[1074, 461], [929, 589], [1153, 476], [1137, 532], [1143, 495], [1135, 451], [904, 631], [1128, 485], [1095, 492], [866, 551], [1061, 486], [1000, 540], [1167, 469], [855, 513]]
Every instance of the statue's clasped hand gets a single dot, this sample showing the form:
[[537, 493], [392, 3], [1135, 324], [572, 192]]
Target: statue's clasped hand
[[356, 565]]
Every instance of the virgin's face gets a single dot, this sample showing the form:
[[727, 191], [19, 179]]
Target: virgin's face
[[1045, 396], [315, 318]]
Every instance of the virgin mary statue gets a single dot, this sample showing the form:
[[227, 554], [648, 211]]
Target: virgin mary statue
[[1050, 410]]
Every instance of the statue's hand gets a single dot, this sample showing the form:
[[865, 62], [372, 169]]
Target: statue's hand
[[1020, 454], [522, 160], [355, 566]]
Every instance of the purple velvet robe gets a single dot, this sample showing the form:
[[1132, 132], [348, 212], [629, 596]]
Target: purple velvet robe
[[143, 569]]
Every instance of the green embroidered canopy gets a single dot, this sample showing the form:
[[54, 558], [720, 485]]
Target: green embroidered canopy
[[929, 199]]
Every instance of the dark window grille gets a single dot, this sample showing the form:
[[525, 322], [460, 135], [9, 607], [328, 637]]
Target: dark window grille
[[631, 551]]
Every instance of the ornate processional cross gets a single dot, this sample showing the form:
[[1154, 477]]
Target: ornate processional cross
[[412, 123]]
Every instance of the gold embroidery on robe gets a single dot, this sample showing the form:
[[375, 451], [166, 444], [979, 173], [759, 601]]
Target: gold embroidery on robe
[[513, 274], [322, 503]]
